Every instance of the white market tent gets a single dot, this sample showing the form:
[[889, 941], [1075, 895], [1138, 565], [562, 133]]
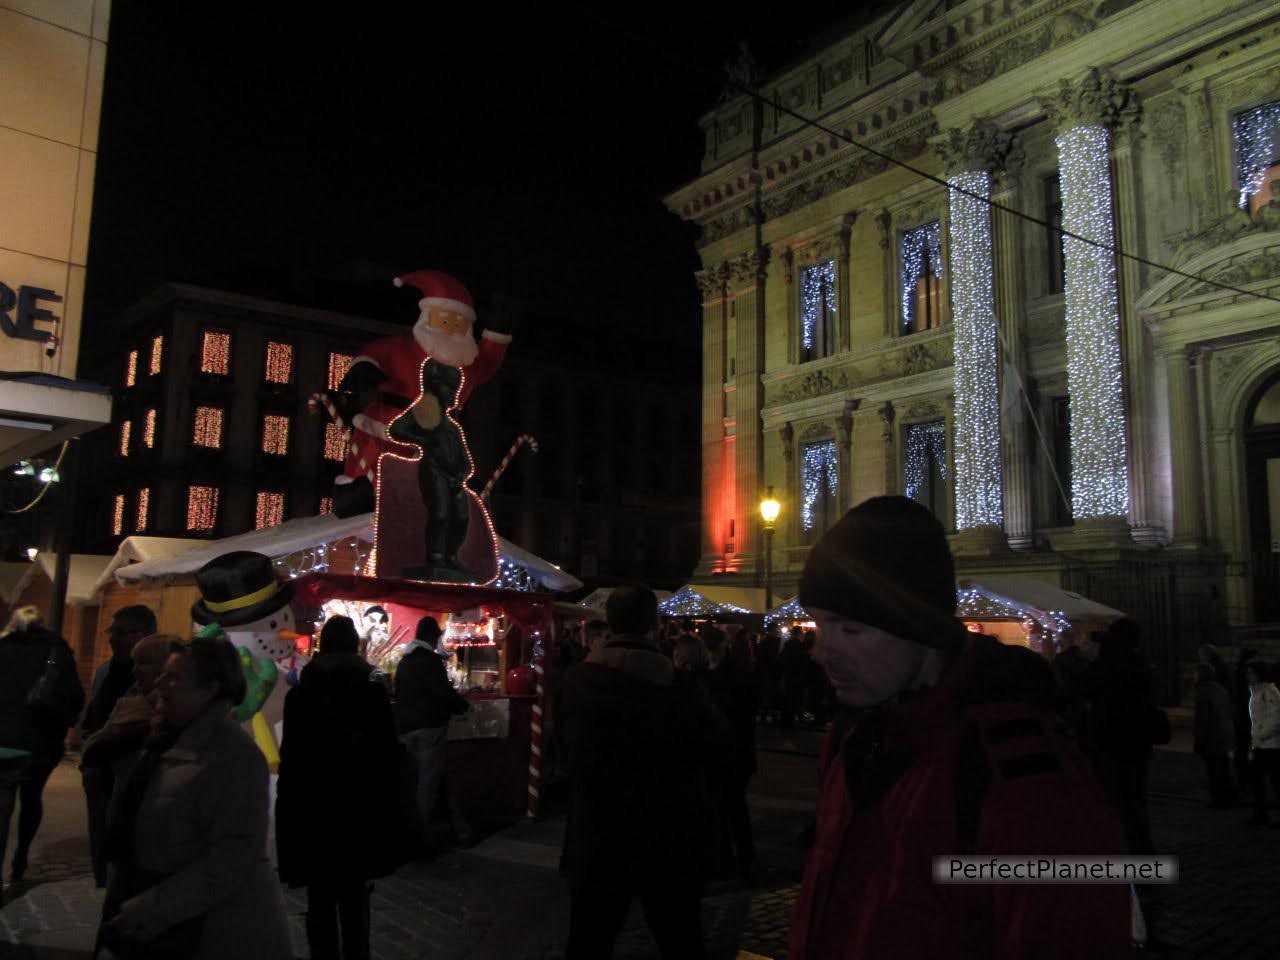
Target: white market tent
[[596, 599], [154, 558], [703, 600], [82, 577], [999, 598]]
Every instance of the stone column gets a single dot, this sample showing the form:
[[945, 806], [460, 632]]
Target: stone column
[[787, 263], [969, 156], [843, 318], [843, 424], [788, 525], [1184, 432], [714, 520], [884, 226], [1085, 114], [888, 436], [1016, 439], [746, 285]]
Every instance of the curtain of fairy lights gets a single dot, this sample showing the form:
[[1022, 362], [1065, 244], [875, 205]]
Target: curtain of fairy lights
[[926, 443], [1099, 472], [977, 385], [818, 308], [818, 477], [920, 253], [1256, 134]]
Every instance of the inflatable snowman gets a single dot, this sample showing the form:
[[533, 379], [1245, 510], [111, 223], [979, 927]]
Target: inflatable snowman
[[240, 596]]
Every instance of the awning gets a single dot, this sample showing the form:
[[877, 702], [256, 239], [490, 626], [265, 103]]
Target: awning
[[1006, 597], [596, 599], [82, 577], [155, 558], [791, 610], [702, 600], [38, 411]]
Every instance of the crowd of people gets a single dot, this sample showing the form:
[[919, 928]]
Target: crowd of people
[[940, 742]]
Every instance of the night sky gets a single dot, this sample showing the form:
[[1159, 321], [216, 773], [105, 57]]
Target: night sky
[[300, 153]]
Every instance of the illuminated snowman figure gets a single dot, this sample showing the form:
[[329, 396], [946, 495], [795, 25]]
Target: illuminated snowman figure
[[241, 598]]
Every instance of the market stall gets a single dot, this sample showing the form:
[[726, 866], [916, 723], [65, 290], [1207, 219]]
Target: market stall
[[788, 616], [707, 603], [495, 642], [1029, 613]]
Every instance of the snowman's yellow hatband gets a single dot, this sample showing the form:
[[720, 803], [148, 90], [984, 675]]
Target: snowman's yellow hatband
[[248, 600]]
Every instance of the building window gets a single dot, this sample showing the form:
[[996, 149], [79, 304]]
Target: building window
[[819, 484], [208, 428], [1256, 134], [275, 434], [1055, 275], [215, 353], [339, 364], [335, 442], [326, 505], [157, 354], [131, 369], [920, 269], [117, 516], [144, 510], [202, 508], [126, 428], [149, 429], [818, 311], [270, 510], [926, 465], [279, 363]]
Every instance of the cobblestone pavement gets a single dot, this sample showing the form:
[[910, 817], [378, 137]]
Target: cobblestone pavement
[[504, 899]]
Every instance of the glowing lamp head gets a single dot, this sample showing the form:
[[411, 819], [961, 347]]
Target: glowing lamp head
[[769, 508]]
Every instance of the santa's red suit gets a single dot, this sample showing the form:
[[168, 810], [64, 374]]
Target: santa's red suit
[[400, 359]]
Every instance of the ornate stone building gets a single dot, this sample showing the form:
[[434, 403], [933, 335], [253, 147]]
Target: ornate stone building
[[1094, 420]]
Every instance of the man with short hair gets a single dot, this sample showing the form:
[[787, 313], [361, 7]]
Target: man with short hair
[[110, 682], [639, 825], [945, 746]]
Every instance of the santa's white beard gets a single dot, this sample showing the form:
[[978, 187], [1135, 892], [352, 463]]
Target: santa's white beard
[[455, 349]]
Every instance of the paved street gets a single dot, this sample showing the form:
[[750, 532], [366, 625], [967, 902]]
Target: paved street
[[504, 899]]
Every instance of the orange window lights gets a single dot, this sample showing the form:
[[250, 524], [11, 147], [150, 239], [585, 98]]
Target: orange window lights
[[202, 507], [144, 509], [117, 516], [126, 429], [149, 428], [339, 364], [131, 369], [208, 428], [335, 442], [279, 365], [270, 511], [275, 434], [157, 354], [326, 505], [215, 353]]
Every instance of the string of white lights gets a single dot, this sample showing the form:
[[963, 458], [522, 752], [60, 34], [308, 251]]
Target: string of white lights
[[925, 442], [920, 253], [1099, 472], [817, 303], [1256, 134], [976, 429], [818, 471]]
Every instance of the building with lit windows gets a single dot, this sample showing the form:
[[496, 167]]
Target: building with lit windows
[[1073, 416]]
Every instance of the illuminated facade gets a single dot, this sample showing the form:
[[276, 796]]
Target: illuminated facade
[[1069, 415]]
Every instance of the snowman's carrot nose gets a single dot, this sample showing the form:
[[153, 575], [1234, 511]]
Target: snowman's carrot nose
[[291, 636]]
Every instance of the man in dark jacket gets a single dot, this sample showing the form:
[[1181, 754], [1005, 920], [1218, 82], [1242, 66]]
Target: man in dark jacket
[[639, 819], [1214, 735], [945, 746], [111, 681], [425, 700], [339, 757], [735, 692], [40, 697]]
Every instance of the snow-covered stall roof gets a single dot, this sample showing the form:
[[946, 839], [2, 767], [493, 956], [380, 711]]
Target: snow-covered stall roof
[[293, 536], [134, 550], [701, 600], [1009, 597], [14, 578], [82, 577], [790, 610]]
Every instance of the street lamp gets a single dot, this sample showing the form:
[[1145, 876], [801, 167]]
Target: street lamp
[[769, 510]]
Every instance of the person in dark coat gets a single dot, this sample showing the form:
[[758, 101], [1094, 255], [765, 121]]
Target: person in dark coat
[[638, 741], [767, 672], [1214, 735], [339, 762], [1118, 686], [1244, 736], [425, 700], [793, 667], [735, 692], [40, 698]]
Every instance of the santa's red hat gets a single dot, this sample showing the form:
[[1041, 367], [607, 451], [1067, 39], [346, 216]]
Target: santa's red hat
[[440, 289]]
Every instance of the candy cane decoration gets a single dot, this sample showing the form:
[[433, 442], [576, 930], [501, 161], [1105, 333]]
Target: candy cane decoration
[[535, 742], [318, 400], [523, 438]]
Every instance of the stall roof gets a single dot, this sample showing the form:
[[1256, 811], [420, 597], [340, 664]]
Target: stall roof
[[82, 579], [715, 599], [155, 558], [1040, 596], [596, 599], [14, 578]]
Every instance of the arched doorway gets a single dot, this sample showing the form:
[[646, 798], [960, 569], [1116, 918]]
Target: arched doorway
[[1262, 469]]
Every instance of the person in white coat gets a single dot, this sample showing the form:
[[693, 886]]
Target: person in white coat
[[1264, 717]]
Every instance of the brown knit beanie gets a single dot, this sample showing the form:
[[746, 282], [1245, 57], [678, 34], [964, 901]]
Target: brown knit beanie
[[886, 564]]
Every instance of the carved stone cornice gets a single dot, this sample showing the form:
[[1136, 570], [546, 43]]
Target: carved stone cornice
[[710, 283], [748, 270], [982, 147], [976, 69], [1226, 229], [727, 224], [884, 226], [1097, 99]]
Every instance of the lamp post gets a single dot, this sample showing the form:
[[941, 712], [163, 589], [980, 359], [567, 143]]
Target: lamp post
[[769, 510]]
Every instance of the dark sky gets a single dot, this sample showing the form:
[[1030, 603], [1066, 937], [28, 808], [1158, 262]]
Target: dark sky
[[271, 149]]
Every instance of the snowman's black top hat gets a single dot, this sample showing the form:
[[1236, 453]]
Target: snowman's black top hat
[[238, 588]]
